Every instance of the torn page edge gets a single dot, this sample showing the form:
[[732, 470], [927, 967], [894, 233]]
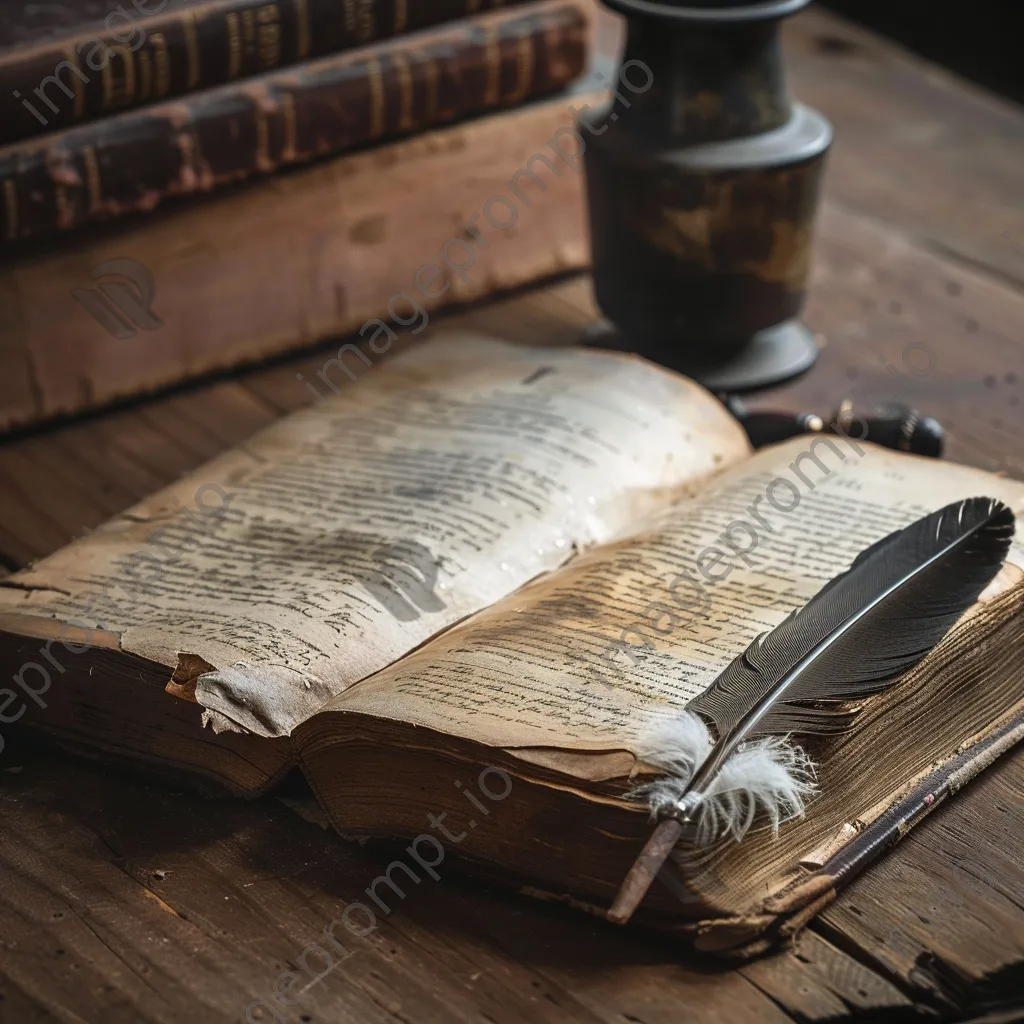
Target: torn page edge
[[266, 700]]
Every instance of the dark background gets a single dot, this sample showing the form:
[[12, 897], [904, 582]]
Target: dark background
[[980, 39]]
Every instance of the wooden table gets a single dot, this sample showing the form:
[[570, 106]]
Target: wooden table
[[126, 900]]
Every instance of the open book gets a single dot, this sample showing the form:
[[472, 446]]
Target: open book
[[463, 594]]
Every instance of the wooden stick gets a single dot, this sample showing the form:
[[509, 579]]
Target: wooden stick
[[644, 870]]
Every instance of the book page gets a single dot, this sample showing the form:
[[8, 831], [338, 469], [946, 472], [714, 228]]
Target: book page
[[589, 658], [344, 536]]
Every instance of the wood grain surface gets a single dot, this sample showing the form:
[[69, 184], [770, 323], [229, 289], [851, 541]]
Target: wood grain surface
[[127, 900]]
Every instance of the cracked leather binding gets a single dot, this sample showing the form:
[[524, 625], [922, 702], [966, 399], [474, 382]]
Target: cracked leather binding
[[134, 161], [108, 62]]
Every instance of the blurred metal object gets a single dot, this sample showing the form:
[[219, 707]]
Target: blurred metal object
[[702, 184], [898, 427]]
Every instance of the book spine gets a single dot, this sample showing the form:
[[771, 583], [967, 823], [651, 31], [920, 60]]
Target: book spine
[[130, 163], [143, 53]]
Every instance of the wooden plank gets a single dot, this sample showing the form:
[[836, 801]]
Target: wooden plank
[[32, 530], [915, 146], [125, 901], [114, 481], [944, 915], [96, 941], [228, 415], [143, 436], [819, 982], [886, 310]]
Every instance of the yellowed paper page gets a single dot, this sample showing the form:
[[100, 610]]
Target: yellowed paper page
[[588, 658], [344, 536]]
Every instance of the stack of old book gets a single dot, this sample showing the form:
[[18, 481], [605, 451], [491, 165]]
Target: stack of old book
[[187, 185]]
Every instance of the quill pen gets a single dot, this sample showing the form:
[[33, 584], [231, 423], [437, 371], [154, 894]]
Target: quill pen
[[855, 637]]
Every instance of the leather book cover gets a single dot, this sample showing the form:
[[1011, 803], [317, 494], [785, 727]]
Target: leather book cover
[[62, 64], [132, 162]]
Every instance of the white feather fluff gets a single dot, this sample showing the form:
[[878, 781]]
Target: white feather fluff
[[769, 775]]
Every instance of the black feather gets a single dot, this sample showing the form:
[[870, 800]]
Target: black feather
[[859, 633]]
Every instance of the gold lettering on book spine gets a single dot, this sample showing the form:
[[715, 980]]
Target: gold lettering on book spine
[[525, 63], [269, 32], [145, 76], [302, 33], [367, 21], [405, 90], [188, 24], [234, 45], [248, 36], [350, 16], [432, 74], [119, 93], [11, 207], [248, 32], [162, 63], [401, 16], [92, 177], [492, 91], [376, 80], [77, 83]]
